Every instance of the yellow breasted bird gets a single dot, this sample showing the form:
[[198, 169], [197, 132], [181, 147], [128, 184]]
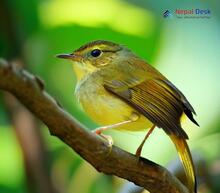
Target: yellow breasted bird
[[120, 90]]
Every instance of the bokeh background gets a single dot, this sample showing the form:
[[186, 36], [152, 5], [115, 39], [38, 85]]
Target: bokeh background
[[187, 51]]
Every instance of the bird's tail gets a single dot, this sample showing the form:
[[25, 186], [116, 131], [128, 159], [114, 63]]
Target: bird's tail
[[186, 159]]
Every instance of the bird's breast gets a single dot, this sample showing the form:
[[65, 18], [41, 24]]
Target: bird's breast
[[105, 108]]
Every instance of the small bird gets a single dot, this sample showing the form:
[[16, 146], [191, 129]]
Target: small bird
[[120, 90]]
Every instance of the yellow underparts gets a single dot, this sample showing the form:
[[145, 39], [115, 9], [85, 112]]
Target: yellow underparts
[[106, 109]]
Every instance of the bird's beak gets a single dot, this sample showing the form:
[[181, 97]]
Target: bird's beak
[[73, 57]]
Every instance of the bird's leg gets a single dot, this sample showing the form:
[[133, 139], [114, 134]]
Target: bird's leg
[[139, 149], [99, 130]]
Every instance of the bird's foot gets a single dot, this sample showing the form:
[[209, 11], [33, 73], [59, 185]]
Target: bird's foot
[[108, 138], [138, 151]]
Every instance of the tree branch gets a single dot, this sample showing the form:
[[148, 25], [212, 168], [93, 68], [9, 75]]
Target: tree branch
[[30, 91]]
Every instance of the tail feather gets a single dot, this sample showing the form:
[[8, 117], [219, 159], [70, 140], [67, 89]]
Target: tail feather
[[186, 159]]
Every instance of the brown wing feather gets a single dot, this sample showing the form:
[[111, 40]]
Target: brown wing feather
[[154, 99], [187, 107]]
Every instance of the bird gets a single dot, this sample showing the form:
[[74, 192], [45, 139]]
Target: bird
[[120, 90]]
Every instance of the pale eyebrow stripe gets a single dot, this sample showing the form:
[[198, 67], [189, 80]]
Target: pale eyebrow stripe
[[112, 50]]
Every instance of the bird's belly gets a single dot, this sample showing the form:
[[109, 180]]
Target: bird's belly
[[106, 109]]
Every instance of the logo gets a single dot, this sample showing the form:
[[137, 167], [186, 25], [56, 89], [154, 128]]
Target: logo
[[188, 13], [193, 13], [167, 14]]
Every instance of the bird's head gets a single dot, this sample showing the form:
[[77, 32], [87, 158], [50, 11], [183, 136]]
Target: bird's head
[[95, 55]]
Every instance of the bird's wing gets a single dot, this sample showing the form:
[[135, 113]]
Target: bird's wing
[[153, 98]]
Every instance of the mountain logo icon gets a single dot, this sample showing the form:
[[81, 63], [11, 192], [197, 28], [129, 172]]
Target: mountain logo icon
[[167, 14]]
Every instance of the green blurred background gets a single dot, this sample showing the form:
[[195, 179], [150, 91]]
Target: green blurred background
[[187, 51]]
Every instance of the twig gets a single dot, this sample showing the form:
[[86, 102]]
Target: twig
[[30, 91]]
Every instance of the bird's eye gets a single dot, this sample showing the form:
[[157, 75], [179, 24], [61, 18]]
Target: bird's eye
[[96, 52]]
